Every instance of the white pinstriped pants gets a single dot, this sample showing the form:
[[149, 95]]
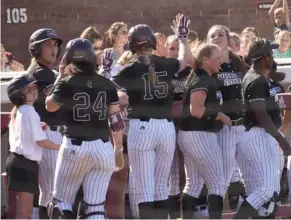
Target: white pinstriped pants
[[203, 162], [47, 167], [228, 140], [91, 164], [151, 147], [258, 160]]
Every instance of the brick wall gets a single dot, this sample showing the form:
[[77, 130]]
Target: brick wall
[[70, 17]]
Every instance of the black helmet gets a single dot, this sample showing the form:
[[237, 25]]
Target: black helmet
[[139, 35], [80, 50], [16, 85], [40, 36]]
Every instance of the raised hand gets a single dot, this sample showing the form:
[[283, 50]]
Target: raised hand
[[107, 59], [181, 26]]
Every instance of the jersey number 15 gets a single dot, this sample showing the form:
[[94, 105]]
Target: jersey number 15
[[81, 111], [160, 89]]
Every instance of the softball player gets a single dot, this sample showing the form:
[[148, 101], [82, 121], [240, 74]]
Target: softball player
[[26, 139], [151, 136], [230, 76], [45, 48], [200, 121], [86, 156], [176, 174], [258, 144]]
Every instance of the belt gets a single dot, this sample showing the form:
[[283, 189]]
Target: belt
[[78, 141], [238, 122], [148, 119]]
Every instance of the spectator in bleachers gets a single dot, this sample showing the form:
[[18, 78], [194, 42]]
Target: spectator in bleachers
[[93, 35], [284, 40], [161, 40], [234, 42], [8, 62], [247, 35], [279, 16]]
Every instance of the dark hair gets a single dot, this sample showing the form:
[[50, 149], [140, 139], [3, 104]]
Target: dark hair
[[77, 67], [257, 47], [111, 33], [91, 34], [226, 29], [251, 29]]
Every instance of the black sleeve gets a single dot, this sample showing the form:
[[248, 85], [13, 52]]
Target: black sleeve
[[199, 84], [122, 78], [258, 90], [112, 97], [173, 65], [60, 92]]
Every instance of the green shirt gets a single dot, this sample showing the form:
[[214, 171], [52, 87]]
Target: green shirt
[[278, 54]]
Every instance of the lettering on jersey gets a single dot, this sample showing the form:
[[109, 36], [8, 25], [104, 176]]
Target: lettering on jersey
[[219, 97], [229, 79], [179, 85], [281, 103]]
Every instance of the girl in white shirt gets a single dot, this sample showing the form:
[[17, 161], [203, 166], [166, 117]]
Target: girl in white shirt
[[26, 139]]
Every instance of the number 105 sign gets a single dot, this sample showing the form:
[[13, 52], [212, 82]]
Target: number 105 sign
[[16, 16]]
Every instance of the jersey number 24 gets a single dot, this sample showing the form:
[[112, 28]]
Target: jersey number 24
[[81, 111]]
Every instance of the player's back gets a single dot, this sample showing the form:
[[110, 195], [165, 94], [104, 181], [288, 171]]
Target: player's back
[[85, 108]]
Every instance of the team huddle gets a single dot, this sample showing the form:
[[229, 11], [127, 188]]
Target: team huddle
[[73, 129]]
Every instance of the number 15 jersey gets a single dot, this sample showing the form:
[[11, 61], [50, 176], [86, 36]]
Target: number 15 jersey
[[84, 98], [146, 99]]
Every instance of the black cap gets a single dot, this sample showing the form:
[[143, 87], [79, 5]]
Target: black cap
[[19, 83]]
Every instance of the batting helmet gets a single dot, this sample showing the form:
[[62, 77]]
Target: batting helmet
[[38, 37], [80, 50], [139, 35], [16, 85]]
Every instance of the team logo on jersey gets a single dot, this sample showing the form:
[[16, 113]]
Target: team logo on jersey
[[274, 91], [179, 85], [219, 97], [229, 79], [89, 83]]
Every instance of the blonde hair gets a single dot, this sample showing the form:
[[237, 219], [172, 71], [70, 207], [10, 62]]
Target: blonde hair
[[203, 49], [171, 39], [160, 37], [125, 58], [111, 33], [281, 34]]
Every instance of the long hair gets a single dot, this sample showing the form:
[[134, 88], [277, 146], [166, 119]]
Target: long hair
[[226, 30], [77, 67], [111, 34], [91, 34]]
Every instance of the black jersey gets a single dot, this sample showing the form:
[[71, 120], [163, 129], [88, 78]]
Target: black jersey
[[178, 82], [214, 100], [44, 77], [230, 82], [148, 100], [84, 99], [257, 87]]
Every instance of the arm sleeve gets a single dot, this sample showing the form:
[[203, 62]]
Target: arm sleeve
[[32, 120], [258, 90], [173, 65], [112, 97], [121, 80], [60, 93]]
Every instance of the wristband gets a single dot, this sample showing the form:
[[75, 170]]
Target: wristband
[[210, 114]]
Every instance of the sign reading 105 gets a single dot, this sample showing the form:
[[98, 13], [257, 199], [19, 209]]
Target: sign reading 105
[[16, 15]]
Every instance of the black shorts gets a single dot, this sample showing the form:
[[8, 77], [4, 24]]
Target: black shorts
[[22, 174]]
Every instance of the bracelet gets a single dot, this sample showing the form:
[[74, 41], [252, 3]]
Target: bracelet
[[119, 149]]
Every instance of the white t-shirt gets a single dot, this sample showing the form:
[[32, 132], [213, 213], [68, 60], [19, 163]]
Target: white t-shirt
[[24, 133]]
